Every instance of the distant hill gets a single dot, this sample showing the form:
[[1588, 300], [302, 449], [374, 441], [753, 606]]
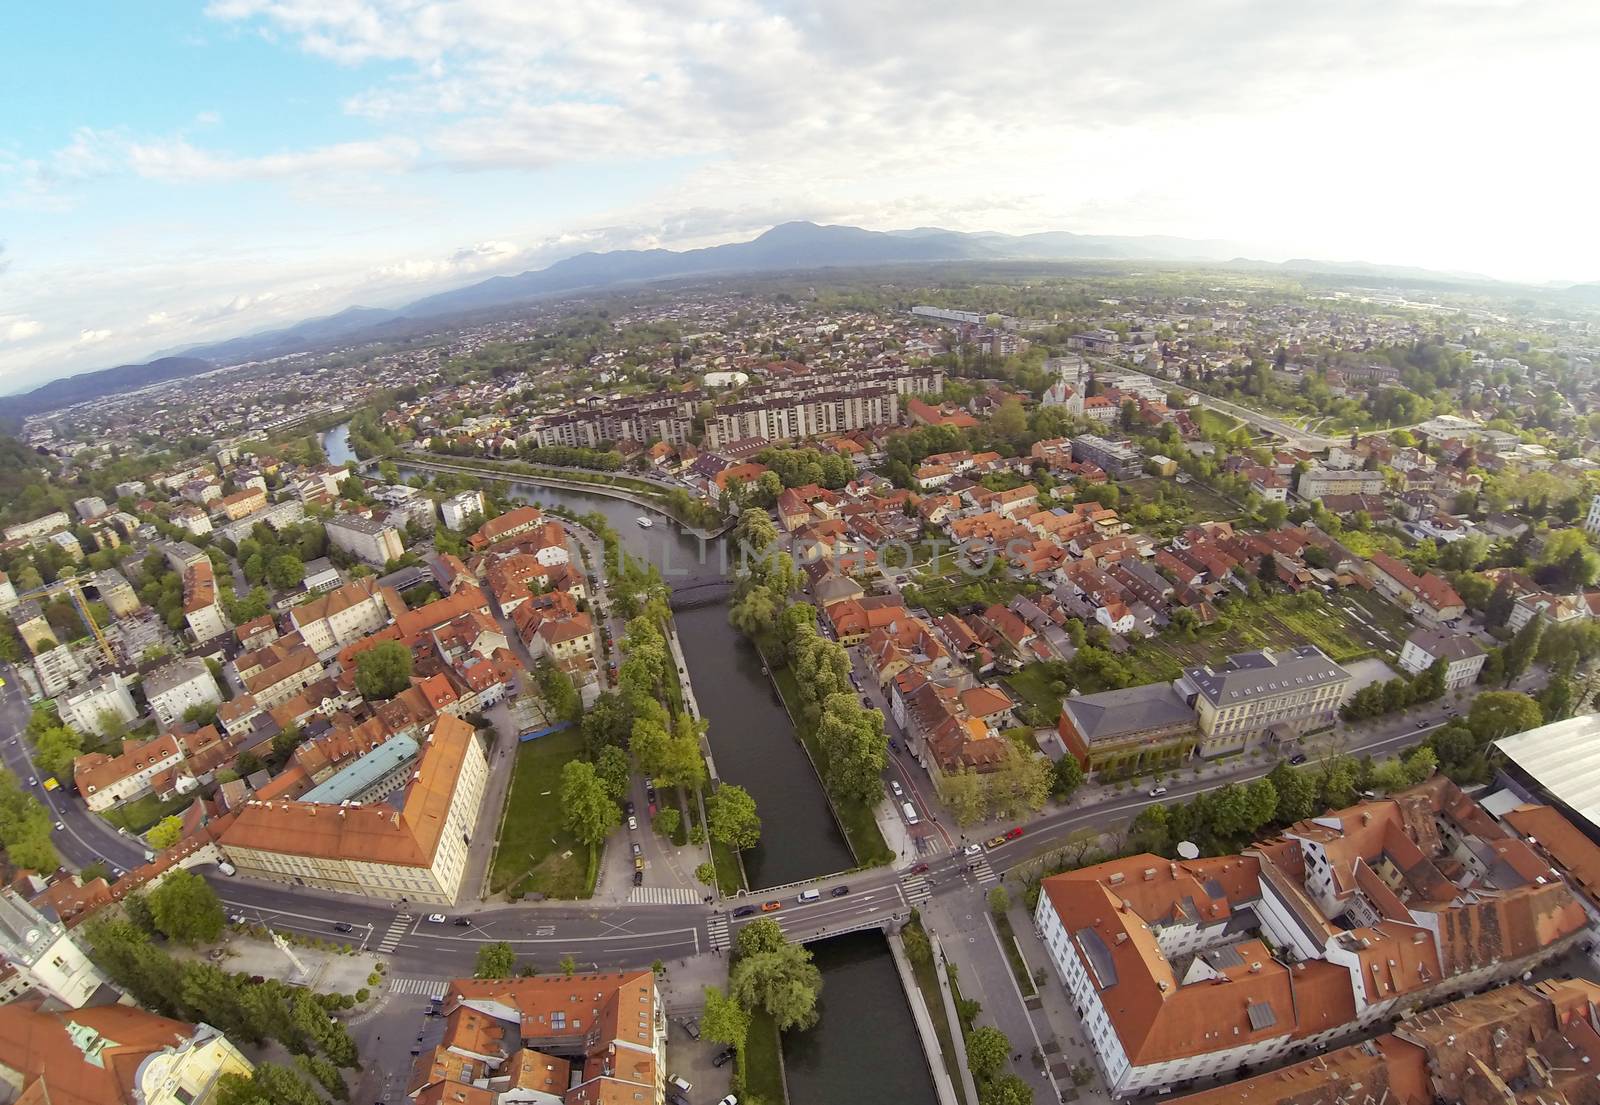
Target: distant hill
[[107, 381], [790, 246]]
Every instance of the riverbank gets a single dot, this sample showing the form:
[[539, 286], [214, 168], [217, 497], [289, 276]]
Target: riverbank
[[639, 492]]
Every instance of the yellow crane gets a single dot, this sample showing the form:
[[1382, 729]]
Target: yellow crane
[[72, 585]]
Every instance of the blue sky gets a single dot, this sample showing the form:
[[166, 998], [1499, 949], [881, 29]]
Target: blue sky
[[174, 172]]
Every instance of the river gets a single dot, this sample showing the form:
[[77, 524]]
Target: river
[[865, 1047], [336, 443]]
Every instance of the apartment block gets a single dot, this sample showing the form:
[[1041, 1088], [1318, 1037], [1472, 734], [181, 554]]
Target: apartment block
[[332, 620], [1464, 656], [1118, 459], [104, 781], [366, 539], [785, 417], [202, 604], [459, 507], [38, 527], [1318, 483], [174, 687], [98, 707]]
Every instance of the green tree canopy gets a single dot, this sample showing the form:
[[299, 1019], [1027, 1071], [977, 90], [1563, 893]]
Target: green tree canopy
[[165, 833], [495, 960], [782, 982], [186, 909], [383, 671], [587, 810], [733, 817], [987, 1052]]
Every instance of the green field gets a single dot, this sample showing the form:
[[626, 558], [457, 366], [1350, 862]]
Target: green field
[[140, 814], [860, 827], [1276, 621], [1035, 685], [761, 1062], [927, 977], [536, 854]]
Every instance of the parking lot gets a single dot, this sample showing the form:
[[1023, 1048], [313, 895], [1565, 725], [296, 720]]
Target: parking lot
[[690, 1060]]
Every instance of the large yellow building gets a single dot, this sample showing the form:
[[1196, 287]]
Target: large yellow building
[[109, 1054], [417, 851]]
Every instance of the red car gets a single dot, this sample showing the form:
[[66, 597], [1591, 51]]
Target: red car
[[1014, 833], [920, 869]]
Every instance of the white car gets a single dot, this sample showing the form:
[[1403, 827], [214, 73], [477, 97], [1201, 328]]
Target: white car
[[60, 825], [895, 789], [729, 1100], [436, 918], [633, 823], [1157, 792], [972, 849]]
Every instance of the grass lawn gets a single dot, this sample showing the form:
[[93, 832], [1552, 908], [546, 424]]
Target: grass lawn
[[1035, 685], [729, 880], [1277, 621], [1008, 943], [139, 815], [927, 978], [860, 827], [535, 853], [955, 588], [761, 1062]]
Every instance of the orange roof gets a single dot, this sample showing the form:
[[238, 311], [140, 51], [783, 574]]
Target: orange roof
[[95, 770], [380, 834], [48, 1050], [1575, 854], [335, 601], [199, 586]]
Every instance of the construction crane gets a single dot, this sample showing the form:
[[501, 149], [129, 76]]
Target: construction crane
[[72, 585]]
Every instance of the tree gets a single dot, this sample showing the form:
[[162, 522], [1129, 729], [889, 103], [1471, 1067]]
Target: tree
[[55, 747], [733, 818], [682, 764], [963, 792], [1067, 776], [724, 1020], [558, 691], [25, 827], [783, 982], [999, 900], [1006, 1090], [1297, 794], [285, 570], [1521, 651], [608, 722], [667, 821], [987, 1052], [918, 948], [495, 960], [614, 770], [165, 833], [855, 749], [587, 810], [326, 1073], [186, 909], [1501, 602], [760, 935], [1497, 714], [383, 671]]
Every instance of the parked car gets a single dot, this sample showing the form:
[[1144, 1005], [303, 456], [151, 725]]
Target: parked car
[[633, 823], [896, 789], [838, 892], [343, 926], [436, 918], [464, 922], [745, 911], [771, 907], [1014, 832], [723, 1057], [729, 1100], [1298, 758], [627, 807]]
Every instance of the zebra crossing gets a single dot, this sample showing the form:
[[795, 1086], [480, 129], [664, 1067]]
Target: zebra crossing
[[982, 871], [663, 895], [430, 987], [397, 929], [717, 929], [918, 892]]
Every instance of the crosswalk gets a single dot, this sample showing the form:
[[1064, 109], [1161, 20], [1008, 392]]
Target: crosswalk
[[982, 871], [918, 892], [431, 987], [717, 927], [663, 895], [397, 929]]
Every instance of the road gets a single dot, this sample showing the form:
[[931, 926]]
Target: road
[[1292, 434]]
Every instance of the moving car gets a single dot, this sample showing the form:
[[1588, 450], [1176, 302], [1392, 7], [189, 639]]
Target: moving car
[[1298, 758], [729, 1100], [771, 907], [633, 823], [464, 922], [920, 869], [1014, 832], [994, 842], [1157, 792], [807, 896], [436, 918], [745, 911], [343, 926], [638, 849], [972, 849], [60, 825], [638, 863], [638, 876], [838, 892]]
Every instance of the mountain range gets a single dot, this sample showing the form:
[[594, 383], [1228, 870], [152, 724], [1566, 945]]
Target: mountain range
[[790, 246]]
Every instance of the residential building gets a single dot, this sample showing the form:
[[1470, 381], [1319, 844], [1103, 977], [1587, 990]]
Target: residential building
[[1134, 730], [192, 519], [278, 516], [38, 527], [8, 593], [1255, 694], [116, 592], [1318, 483], [786, 414], [365, 538], [1429, 596], [590, 1039], [416, 850], [1118, 459], [1191, 968], [242, 503], [104, 781], [332, 620], [111, 1055], [98, 707], [42, 950], [1592, 522], [58, 668], [90, 506], [31, 624], [320, 576], [287, 667], [202, 604], [461, 506], [174, 687], [1465, 657]]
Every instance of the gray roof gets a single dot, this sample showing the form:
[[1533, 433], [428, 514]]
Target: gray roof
[[1248, 674], [175, 674], [392, 755], [1442, 644], [358, 523], [1112, 714]]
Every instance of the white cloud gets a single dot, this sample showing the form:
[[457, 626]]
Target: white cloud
[[481, 257], [20, 329], [208, 119], [92, 337]]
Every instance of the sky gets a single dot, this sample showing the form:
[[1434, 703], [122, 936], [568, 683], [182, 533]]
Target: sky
[[174, 172]]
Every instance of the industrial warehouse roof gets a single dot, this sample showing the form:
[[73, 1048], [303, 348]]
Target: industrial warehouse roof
[[1564, 759], [390, 756]]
